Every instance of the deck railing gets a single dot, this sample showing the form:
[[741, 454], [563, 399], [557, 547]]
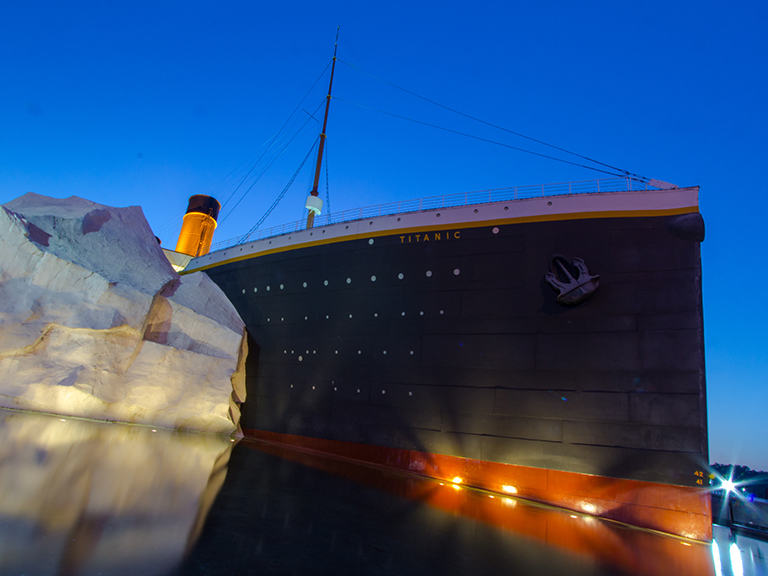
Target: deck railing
[[445, 201]]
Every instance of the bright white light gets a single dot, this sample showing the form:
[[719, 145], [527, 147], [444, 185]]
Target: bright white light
[[510, 489], [736, 566], [716, 558], [457, 480], [588, 507], [728, 486]]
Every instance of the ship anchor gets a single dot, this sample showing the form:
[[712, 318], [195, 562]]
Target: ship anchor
[[572, 289]]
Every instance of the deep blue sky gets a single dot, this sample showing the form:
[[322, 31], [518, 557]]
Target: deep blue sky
[[149, 102]]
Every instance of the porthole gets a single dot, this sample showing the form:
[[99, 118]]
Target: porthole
[[370, 223], [358, 390], [243, 290], [301, 358], [359, 351], [402, 313], [429, 273], [400, 276], [506, 207], [268, 288], [410, 393], [337, 351], [373, 278], [350, 315], [437, 215], [549, 203], [411, 352], [323, 231], [421, 313], [305, 317], [305, 284], [326, 316], [495, 230], [325, 282], [398, 219], [313, 387], [385, 352], [255, 289], [383, 391], [282, 319], [375, 314], [442, 311], [311, 233], [456, 272], [346, 227], [267, 319], [349, 280], [370, 241], [334, 388], [475, 210], [281, 286]]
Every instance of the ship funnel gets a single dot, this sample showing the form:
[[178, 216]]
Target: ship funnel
[[199, 223]]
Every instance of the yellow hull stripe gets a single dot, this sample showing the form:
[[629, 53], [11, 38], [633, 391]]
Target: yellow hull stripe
[[459, 226]]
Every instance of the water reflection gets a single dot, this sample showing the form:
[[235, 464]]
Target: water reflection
[[736, 555], [86, 498], [283, 511], [81, 497]]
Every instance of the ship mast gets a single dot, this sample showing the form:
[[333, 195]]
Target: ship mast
[[314, 204]]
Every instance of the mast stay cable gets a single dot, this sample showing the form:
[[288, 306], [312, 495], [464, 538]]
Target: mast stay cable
[[624, 173], [272, 140], [270, 164], [621, 175], [244, 238]]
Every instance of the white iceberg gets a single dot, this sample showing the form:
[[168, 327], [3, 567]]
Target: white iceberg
[[95, 322]]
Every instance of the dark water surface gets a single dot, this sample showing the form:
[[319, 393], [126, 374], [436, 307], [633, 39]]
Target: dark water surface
[[89, 498]]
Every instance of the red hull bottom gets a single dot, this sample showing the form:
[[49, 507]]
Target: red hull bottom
[[678, 510]]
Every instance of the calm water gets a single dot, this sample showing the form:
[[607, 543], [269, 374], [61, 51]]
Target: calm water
[[86, 498]]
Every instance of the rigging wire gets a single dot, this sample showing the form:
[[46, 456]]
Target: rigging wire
[[280, 196], [624, 172], [268, 166], [272, 140], [483, 139]]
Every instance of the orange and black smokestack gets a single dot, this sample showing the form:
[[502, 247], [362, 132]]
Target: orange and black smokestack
[[199, 223]]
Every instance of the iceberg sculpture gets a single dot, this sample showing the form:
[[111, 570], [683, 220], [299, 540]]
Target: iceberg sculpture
[[94, 322]]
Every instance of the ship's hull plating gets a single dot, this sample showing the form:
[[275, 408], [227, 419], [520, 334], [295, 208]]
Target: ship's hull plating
[[442, 349]]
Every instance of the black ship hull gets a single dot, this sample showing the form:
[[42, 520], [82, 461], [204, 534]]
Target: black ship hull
[[434, 342]]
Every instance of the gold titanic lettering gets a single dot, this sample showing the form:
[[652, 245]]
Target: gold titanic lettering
[[424, 237]]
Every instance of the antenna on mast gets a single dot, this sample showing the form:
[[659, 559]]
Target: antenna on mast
[[314, 203]]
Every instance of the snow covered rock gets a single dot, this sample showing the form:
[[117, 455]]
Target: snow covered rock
[[95, 322]]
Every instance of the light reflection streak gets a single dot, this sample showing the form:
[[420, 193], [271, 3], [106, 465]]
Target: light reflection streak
[[716, 558], [736, 564], [611, 545], [79, 496]]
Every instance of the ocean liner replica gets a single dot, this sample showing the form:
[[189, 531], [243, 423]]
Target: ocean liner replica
[[544, 342]]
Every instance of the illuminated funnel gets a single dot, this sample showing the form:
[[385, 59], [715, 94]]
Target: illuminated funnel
[[199, 223]]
